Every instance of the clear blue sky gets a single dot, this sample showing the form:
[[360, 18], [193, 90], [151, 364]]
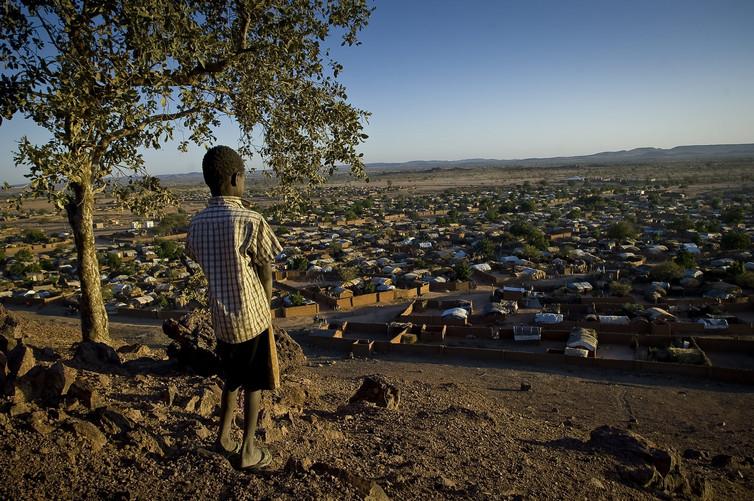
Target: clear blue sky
[[522, 78]]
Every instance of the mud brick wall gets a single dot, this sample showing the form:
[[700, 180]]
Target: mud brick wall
[[306, 310]]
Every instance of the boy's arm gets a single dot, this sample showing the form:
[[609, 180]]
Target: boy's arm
[[263, 253], [265, 276]]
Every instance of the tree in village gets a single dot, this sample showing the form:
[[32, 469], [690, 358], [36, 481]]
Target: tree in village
[[110, 78]]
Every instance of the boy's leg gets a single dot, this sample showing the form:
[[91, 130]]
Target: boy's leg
[[227, 411], [250, 454]]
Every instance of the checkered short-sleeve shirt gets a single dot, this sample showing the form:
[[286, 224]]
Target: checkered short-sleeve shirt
[[228, 240]]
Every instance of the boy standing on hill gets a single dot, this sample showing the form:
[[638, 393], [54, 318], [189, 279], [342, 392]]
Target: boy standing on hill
[[235, 248]]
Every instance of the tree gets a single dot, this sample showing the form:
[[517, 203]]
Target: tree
[[732, 215], [486, 248], [746, 279], [666, 272], [685, 259], [299, 263], [34, 236], [735, 240], [620, 289], [297, 299], [170, 223], [622, 230], [168, 249], [110, 79], [24, 255], [681, 223], [347, 273], [462, 271]]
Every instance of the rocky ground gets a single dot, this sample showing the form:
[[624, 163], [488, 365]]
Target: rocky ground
[[86, 422]]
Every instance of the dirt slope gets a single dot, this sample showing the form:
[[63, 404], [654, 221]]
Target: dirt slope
[[461, 431]]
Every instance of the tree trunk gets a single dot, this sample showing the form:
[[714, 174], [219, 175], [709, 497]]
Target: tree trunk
[[80, 215]]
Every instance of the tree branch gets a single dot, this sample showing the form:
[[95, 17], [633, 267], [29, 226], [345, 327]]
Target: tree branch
[[134, 129]]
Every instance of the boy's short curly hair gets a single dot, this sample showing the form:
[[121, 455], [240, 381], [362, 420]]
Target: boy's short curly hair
[[219, 163]]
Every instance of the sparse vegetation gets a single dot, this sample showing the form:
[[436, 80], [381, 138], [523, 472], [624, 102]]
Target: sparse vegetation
[[735, 240], [667, 272], [622, 230]]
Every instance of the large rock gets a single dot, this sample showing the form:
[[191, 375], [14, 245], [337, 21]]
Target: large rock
[[379, 391], [195, 343], [3, 371], [113, 421], [94, 355], [645, 464], [90, 433], [29, 387], [145, 441], [85, 394], [20, 360], [58, 380], [43, 384], [9, 330]]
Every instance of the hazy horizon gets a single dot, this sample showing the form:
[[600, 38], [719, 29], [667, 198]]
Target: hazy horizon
[[505, 80]]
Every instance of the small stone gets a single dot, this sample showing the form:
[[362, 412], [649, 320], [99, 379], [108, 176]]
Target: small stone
[[137, 350], [375, 493], [38, 422], [692, 454], [201, 431], [19, 409], [168, 394], [159, 413], [525, 386], [56, 414], [721, 460], [90, 433], [208, 402], [146, 441], [191, 404], [597, 483], [134, 415], [446, 482], [376, 389]]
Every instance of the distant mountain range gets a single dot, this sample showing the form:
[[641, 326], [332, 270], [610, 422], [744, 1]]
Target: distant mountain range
[[638, 155]]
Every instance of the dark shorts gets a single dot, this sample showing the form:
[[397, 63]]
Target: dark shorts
[[245, 364]]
